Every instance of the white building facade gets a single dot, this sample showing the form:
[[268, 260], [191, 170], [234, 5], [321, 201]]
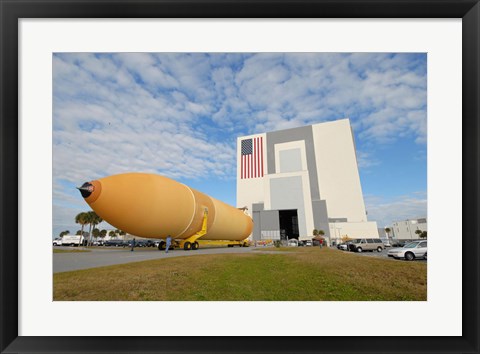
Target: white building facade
[[296, 180], [406, 229]]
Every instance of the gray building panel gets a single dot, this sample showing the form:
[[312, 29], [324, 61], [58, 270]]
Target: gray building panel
[[295, 134], [290, 160], [265, 220], [337, 220], [257, 207], [256, 233], [320, 216], [269, 220], [287, 193]]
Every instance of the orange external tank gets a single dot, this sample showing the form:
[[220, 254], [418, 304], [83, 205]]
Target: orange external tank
[[153, 206]]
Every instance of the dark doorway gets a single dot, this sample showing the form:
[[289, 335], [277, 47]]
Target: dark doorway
[[288, 224]]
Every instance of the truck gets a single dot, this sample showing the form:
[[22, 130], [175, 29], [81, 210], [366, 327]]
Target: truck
[[71, 240]]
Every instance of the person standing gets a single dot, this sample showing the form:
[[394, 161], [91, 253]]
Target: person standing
[[169, 242], [133, 245]]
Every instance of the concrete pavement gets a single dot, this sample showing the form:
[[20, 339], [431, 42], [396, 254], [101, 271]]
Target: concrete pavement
[[64, 262]]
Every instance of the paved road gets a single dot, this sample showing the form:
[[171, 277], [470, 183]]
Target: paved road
[[64, 262]]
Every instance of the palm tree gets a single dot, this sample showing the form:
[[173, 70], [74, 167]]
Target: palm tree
[[82, 219], [122, 233], [387, 230], [93, 220], [418, 232], [321, 233], [315, 232], [96, 233], [89, 218]]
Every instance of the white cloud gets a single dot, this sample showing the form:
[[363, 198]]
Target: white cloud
[[179, 114], [385, 210], [365, 160]]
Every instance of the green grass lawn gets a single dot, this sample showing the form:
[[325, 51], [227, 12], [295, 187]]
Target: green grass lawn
[[69, 251], [305, 274]]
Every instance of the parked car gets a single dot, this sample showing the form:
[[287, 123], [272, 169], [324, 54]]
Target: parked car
[[150, 243], [399, 244], [411, 251], [115, 243], [308, 243], [366, 244], [342, 246], [387, 244], [293, 242]]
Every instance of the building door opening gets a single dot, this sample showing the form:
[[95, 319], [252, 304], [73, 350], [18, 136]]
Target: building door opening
[[288, 224]]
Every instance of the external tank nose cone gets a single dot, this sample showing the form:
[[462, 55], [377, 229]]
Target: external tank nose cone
[[86, 189]]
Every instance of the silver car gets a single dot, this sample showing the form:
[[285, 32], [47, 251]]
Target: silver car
[[342, 246], [411, 251]]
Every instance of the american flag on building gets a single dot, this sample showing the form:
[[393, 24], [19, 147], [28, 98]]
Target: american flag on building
[[251, 165]]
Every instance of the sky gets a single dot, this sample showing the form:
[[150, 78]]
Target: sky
[[179, 115]]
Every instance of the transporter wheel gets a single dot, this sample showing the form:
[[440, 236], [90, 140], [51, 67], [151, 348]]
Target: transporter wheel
[[409, 256], [195, 246], [187, 246], [379, 249], [161, 246]]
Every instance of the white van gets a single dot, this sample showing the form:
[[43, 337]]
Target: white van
[[366, 244]]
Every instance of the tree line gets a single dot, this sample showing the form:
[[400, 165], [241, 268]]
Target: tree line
[[91, 219]]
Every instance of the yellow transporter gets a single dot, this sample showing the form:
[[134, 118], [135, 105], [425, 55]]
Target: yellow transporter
[[153, 206]]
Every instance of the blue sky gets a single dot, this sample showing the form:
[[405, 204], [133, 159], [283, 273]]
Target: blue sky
[[179, 114]]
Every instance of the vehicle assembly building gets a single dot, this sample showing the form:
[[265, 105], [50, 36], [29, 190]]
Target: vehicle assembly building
[[296, 180]]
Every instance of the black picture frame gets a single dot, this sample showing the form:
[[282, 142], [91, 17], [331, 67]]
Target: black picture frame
[[11, 11]]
